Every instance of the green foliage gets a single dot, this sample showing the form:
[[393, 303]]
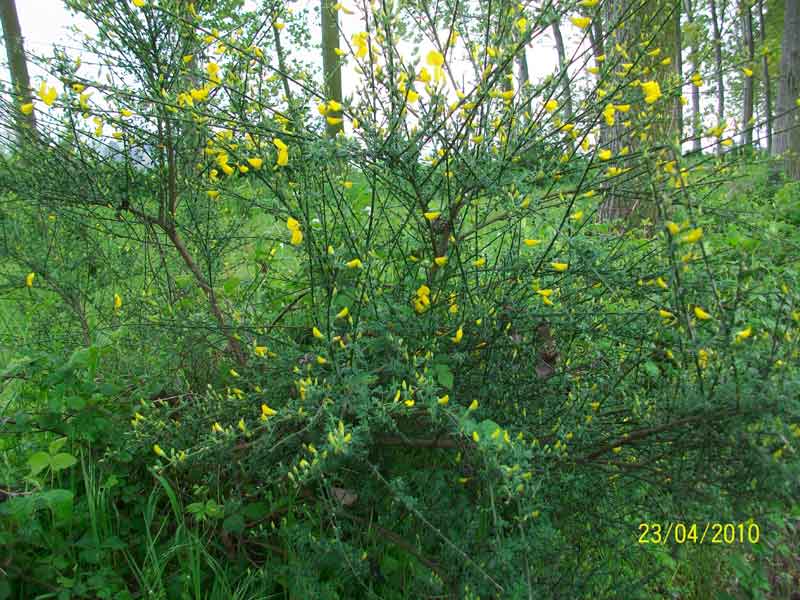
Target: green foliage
[[462, 350]]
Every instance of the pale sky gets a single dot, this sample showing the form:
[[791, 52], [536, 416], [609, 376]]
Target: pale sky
[[47, 22]]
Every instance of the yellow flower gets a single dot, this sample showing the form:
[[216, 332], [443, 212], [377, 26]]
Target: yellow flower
[[522, 24], [159, 452], [354, 264], [241, 425], [701, 314], [260, 351], [473, 405], [216, 428], [581, 22], [213, 194], [444, 399], [604, 154], [435, 58], [661, 283], [343, 313], [26, 108], [673, 228], [409, 403], [651, 90], [697, 80], [693, 236], [266, 411], [702, 358], [479, 262], [297, 235], [278, 25], [234, 373], [347, 185], [665, 314], [588, 3], [333, 120], [117, 302], [255, 162], [577, 215], [613, 171], [29, 279], [317, 333], [48, 95], [139, 3], [432, 215], [747, 72], [321, 360], [459, 334], [476, 437], [531, 243], [744, 334], [283, 152], [559, 266], [551, 105], [440, 261]]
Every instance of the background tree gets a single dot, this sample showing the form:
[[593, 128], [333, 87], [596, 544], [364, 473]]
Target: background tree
[[18, 67], [748, 43], [331, 64], [765, 74], [787, 131], [718, 68]]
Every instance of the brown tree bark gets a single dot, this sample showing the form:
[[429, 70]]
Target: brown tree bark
[[678, 62], [747, 100], [765, 76], [718, 66], [331, 69], [697, 124], [562, 66], [787, 124], [20, 80]]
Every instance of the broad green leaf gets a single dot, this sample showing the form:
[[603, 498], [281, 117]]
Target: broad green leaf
[[62, 461], [38, 462]]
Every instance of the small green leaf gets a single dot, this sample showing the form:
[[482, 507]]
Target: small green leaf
[[62, 461], [38, 462], [234, 524], [444, 376], [56, 445], [652, 369]]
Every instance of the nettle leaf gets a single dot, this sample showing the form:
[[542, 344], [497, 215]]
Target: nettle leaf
[[38, 462], [60, 502], [196, 508], [444, 375], [234, 524], [56, 445], [652, 369], [62, 461]]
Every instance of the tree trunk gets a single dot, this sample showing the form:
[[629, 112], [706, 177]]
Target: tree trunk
[[678, 62], [331, 68], [20, 80], [787, 127], [697, 123], [562, 66], [766, 79], [747, 101], [718, 67]]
